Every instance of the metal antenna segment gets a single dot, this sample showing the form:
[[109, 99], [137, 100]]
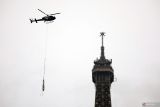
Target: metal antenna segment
[[102, 34], [102, 47]]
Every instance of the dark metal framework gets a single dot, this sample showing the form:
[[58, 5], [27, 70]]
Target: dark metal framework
[[102, 76]]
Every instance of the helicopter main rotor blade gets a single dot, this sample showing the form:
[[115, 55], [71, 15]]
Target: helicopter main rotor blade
[[55, 13], [42, 12]]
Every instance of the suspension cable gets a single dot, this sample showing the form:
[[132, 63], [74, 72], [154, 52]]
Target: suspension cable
[[44, 59]]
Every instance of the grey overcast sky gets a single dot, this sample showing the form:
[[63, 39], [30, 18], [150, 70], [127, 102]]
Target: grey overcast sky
[[132, 42]]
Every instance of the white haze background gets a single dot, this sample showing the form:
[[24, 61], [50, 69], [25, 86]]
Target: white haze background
[[132, 41]]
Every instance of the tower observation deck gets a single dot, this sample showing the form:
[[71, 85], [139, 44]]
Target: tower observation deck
[[102, 76]]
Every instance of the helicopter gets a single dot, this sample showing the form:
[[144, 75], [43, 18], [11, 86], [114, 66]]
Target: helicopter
[[47, 18]]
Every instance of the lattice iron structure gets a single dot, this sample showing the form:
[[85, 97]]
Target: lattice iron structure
[[102, 76]]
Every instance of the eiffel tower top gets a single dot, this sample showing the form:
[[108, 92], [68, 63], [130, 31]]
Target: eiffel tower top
[[102, 64], [102, 60]]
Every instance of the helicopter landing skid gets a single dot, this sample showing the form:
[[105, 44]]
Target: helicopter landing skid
[[47, 22]]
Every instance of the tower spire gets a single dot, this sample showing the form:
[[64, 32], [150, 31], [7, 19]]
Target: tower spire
[[102, 47], [102, 34]]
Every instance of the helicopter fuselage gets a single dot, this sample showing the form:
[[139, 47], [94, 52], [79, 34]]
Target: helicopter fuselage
[[48, 18]]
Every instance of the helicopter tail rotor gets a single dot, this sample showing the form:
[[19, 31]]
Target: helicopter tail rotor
[[33, 20]]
